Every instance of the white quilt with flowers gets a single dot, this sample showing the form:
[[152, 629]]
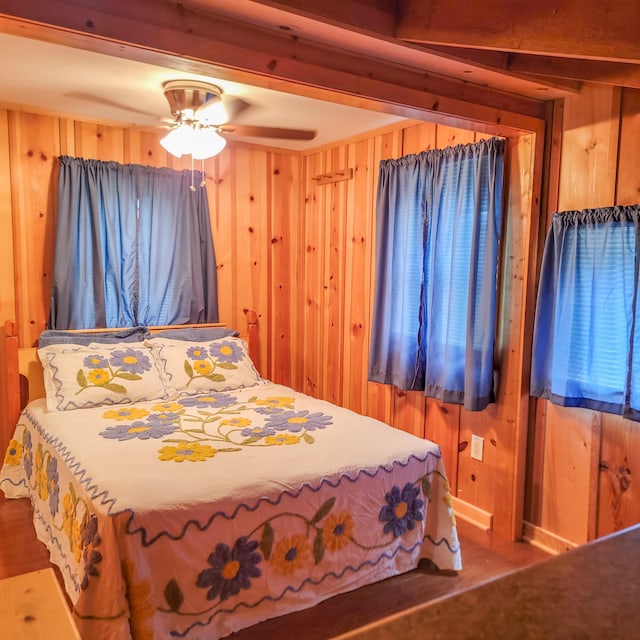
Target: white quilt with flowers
[[196, 517]]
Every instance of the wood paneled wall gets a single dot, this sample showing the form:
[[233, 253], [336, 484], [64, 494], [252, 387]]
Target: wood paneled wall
[[582, 480], [302, 255], [338, 264]]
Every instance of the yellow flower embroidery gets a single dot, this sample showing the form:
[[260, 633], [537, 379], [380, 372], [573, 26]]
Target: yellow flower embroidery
[[68, 514], [237, 422], [168, 407], [43, 485], [225, 350], [125, 413], [98, 377], [75, 541], [446, 498], [13, 454], [52, 483], [277, 402], [337, 531], [40, 475], [282, 438], [202, 367], [39, 459], [140, 606], [291, 553], [141, 428], [192, 451]]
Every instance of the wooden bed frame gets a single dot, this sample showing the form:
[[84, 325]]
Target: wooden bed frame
[[21, 376]]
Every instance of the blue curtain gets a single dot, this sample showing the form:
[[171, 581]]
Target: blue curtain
[[400, 219], [438, 233], [133, 247], [586, 343]]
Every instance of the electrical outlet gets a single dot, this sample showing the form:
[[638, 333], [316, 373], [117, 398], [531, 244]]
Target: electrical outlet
[[477, 447]]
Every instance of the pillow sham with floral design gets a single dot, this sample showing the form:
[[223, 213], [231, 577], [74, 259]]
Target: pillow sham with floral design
[[97, 374], [194, 367]]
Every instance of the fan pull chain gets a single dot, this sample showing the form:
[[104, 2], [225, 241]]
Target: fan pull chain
[[192, 187], [202, 183]]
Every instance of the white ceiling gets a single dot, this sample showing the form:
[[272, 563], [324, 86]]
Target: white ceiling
[[87, 85]]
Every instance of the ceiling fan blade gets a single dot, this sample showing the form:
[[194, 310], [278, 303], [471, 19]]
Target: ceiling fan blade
[[251, 131], [235, 106], [88, 97], [219, 111]]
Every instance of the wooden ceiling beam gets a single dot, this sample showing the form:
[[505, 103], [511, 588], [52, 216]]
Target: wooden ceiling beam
[[620, 74], [574, 29], [502, 61], [147, 29], [567, 74], [375, 16]]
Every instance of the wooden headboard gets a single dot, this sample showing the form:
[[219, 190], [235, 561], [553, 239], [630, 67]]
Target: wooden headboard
[[21, 376]]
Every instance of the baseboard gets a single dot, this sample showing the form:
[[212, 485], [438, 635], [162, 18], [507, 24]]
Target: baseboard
[[545, 540], [472, 514]]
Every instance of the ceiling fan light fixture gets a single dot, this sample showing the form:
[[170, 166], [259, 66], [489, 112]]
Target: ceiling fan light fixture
[[179, 141], [189, 94], [201, 106], [212, 111], [206, 143]]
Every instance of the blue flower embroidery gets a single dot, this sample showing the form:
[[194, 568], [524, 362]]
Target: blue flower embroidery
[[269, 411], [231, 569], [130, 360], [213, 400], [226, 351], [96, 362], [52, 485], [140, 430], [27, 456], [295, 421], [197, 353], [257, 432], [402, 510], [166, 417], [91, 556]]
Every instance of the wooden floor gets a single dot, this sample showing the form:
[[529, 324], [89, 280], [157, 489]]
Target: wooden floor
[[485, 556]]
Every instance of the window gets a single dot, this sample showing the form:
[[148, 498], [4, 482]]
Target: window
[[133, 247], [586, 348], [438, 230]]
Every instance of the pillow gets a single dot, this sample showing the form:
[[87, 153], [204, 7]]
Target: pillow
[[77, 376], [194, 367], [195, 334], [56, 336]]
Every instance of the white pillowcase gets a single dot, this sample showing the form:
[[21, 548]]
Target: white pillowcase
[[193, 367], [98, 374]]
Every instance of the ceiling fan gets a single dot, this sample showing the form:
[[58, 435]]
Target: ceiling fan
[[203, 119]]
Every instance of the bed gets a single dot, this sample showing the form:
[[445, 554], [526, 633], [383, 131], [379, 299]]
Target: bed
[[206, 499]]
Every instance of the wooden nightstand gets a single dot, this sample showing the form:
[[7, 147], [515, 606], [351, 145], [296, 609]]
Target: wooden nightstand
[[33, 607]]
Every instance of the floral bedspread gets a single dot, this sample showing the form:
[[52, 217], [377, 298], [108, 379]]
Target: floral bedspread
[[199, 517]]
